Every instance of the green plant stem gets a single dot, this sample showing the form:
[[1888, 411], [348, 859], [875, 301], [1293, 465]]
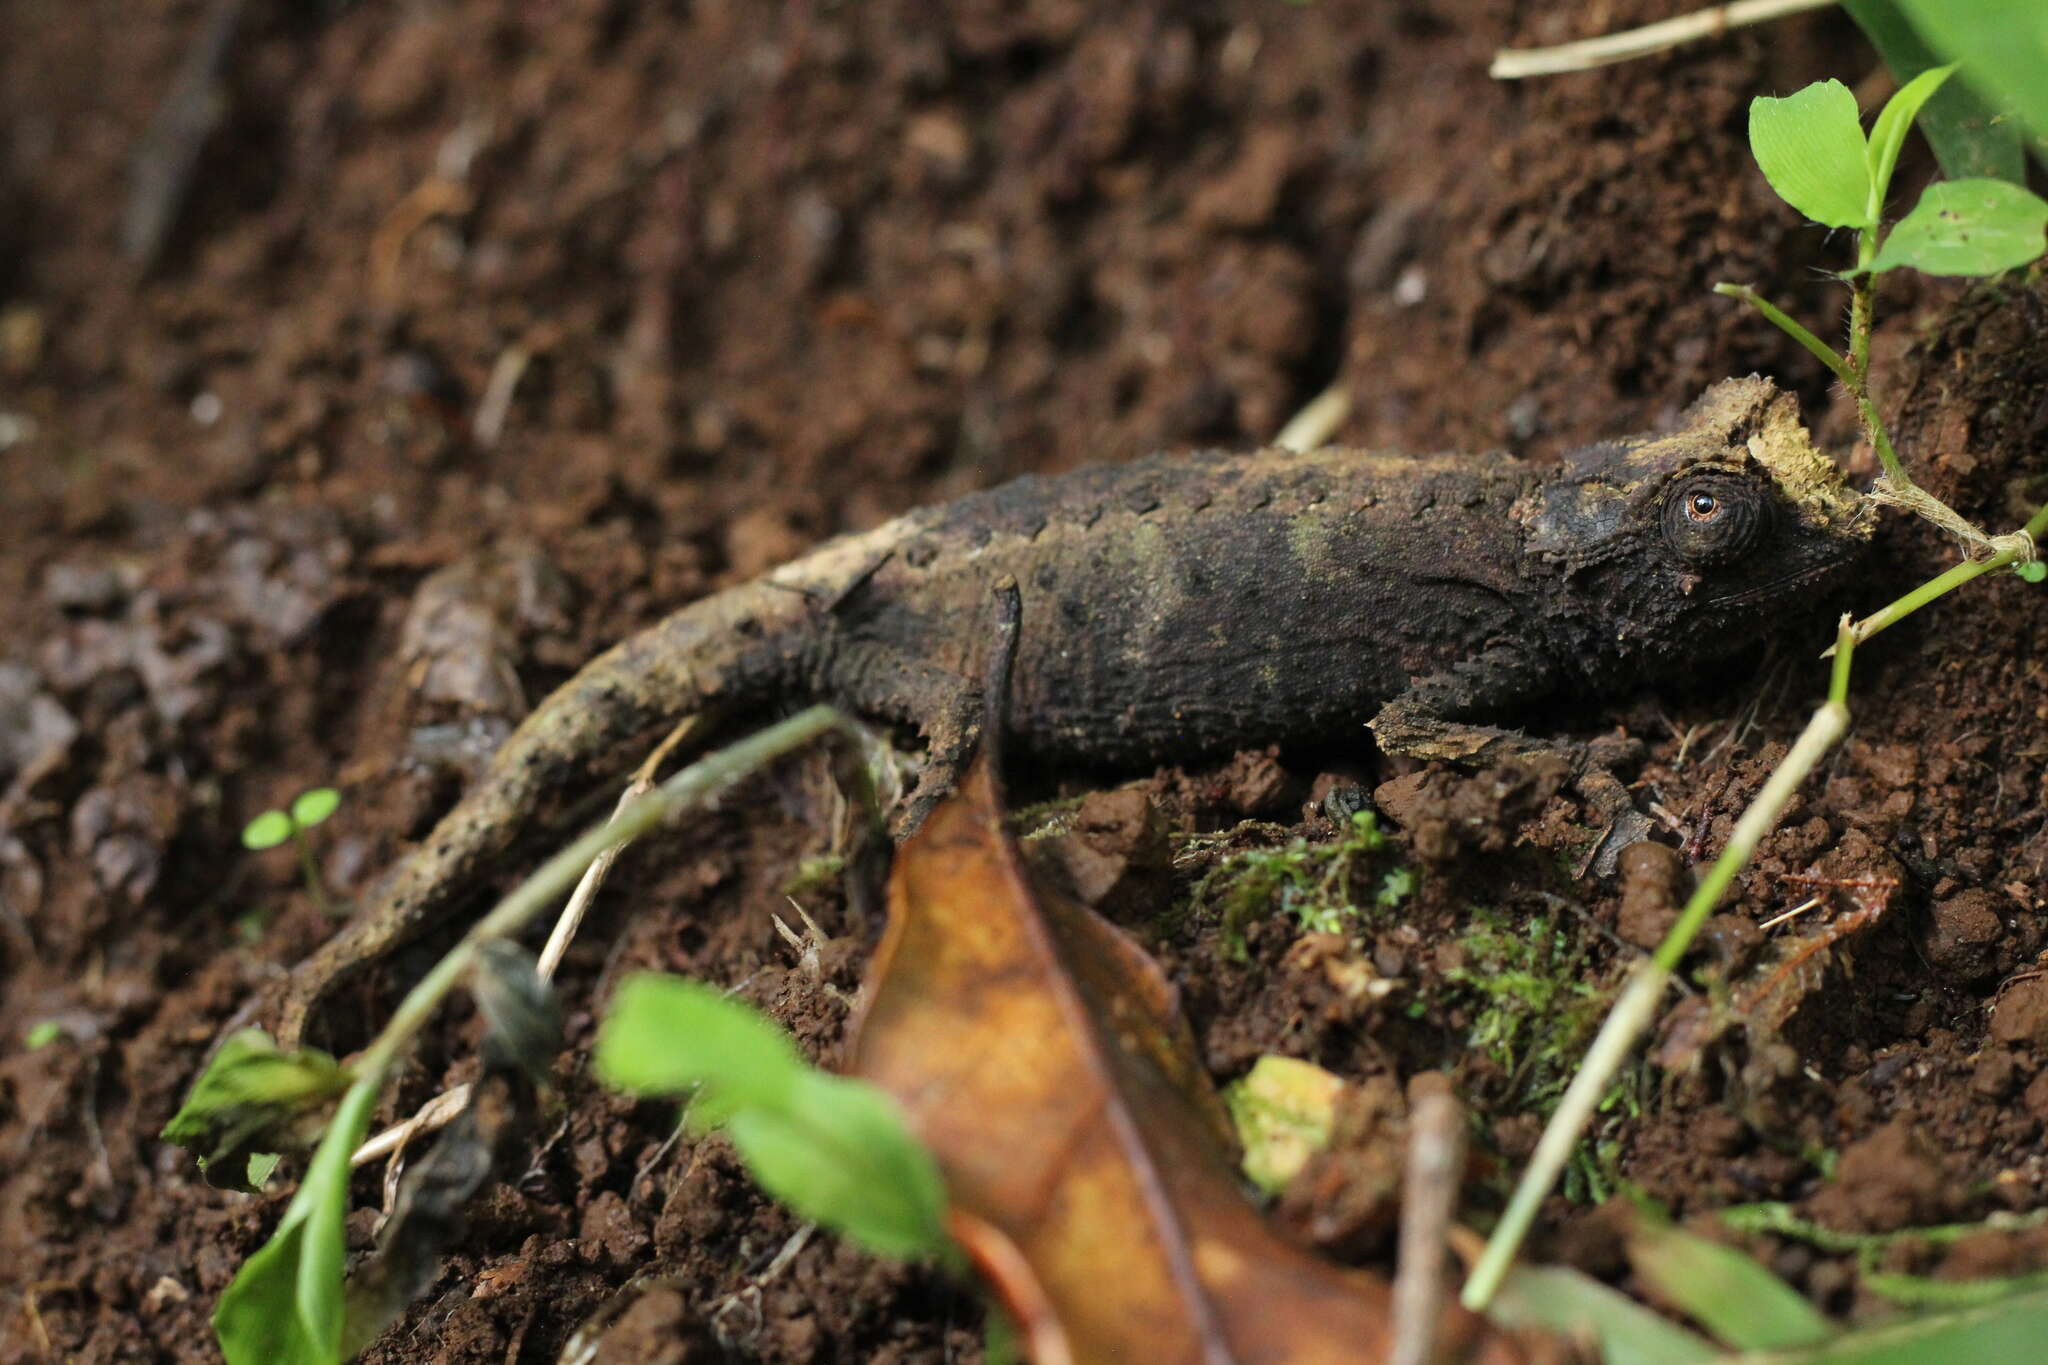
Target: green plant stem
[[1881, 442], [1862, 295], [315, 888], [319, 1274], [1940, 586], [1636, 1008], [1784, 322], [1862, 289], [559, 873], [1843, 368]]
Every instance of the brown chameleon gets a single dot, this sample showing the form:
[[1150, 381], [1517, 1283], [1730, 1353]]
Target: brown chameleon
[[1178, 606]]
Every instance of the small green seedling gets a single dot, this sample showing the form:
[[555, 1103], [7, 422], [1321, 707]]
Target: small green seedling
[[287, 1304], [253, 1101], [41, 1034], [273, 827], [1812, 148], [833, 1149]]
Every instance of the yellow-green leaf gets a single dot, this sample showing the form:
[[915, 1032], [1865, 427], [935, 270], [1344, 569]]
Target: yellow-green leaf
[[1726, 1292], [1568, 1301], [1283, 1110], [1810, 147], [1894, 121], [314, 806], [267, 830], [284, 1306], [835, 1150], [1968, 227]]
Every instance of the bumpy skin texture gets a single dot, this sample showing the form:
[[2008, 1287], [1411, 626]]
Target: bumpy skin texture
[[1177, 606]]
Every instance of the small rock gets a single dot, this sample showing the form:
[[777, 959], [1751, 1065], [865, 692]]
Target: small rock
[[35, 731], [1731, 941], [1650, 875], [1253, 782], [1963, 937], [1347, 1197], [125, 830], [1116, 851], [1892, 1179], [1996, 1074], [21, 880], [94, 588], [1443, 812], [611, 1228], [2020, 1015], [2035, 1098], [657, 1329]]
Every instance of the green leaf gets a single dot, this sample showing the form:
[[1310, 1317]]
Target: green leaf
[[1968, 227], [667, 1036], [840, 1155], [267, 830], [2033, 571], [1894, 121], [1576, 1304], [1810, 147], [835, 1150], [2011, 1329], [310, 808], [2003, 48], [1728, 1293], [1922, 1291], [44, 1032], [1969, 138], [253, 1097], [284, 1306]]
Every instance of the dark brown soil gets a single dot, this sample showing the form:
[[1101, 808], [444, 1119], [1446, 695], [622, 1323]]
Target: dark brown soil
[[783, 270]]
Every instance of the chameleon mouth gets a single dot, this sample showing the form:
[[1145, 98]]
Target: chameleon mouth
[[1797, 578]]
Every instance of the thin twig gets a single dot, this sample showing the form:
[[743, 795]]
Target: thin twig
[[1436, 1160], [1794, 913], [1316, 423], [2017, 548], [435, 1114], [1513, 64], [496, 403], [699, 782], [160, 176], [441, 1110], [586, 890]]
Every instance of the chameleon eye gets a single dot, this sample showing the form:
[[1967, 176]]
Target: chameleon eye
[[1715, 518]]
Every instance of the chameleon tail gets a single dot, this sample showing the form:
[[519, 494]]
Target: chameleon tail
[[743, 645]]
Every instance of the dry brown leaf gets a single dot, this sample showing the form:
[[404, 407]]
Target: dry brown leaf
[[1042, 1057]]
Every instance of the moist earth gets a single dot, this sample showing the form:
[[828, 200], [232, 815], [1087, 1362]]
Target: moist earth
[[479, 334]]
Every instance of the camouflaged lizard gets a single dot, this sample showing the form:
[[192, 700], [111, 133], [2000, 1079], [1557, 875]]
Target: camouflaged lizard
[[1178, 606]]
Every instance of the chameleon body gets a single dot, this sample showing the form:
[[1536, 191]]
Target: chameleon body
[[1178, 606]]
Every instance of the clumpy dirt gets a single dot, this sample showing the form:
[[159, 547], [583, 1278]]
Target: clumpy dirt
[[484, 333]]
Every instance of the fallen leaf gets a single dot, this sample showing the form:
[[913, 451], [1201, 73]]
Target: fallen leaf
[[1284, 1109], [1041, 1056]]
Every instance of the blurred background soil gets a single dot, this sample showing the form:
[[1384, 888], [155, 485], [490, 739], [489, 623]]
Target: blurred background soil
[[475, 334]]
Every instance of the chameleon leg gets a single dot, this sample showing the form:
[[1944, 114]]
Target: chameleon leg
[[888, 683], [1428, 722]]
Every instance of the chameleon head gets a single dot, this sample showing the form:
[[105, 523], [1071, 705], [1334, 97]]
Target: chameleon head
[[1681, 545]]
